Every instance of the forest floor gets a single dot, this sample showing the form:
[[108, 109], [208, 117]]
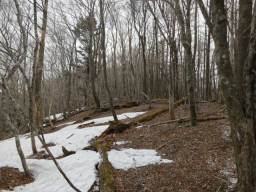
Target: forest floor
[[202, 155]]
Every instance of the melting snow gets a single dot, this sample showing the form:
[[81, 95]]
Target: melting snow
[[58, 116], [121, 142], [80, 167], [132, 158], [110, 118]]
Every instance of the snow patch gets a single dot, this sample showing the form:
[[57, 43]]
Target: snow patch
[[121, 142], [110, 118], [58, 116], [132, 158], [80, 169]]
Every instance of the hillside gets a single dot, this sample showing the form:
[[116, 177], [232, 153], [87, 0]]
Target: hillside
[[172, 156]]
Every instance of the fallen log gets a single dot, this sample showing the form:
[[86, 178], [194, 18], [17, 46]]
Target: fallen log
[[185, 120], [152, 115], [85, 125], [106, 179], [90, 148], [115, 127]]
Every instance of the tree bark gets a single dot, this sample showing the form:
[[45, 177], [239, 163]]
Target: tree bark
[[243, 37], [186, 41], [103, 49], [92, 67], [207, 73], [243, 121], [18, 146], [39, 70]]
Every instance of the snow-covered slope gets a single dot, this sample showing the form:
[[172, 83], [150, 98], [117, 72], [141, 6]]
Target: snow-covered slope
[[80, 167]]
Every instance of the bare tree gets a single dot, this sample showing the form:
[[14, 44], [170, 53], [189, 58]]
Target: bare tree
[[103, 49], [242, 116], [186, 41], [141, 32]]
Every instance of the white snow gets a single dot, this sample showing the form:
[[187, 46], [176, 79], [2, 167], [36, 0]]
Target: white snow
[[121, 142], [80, 167], [72, 138], [132, 158], [58, 116], [110, 118]]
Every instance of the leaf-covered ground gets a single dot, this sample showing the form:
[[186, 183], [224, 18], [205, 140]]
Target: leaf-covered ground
[[202, 155]]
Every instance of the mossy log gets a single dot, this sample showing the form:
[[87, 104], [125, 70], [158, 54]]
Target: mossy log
[[179, 102], [106, 179], [90, 148], [152, 115]]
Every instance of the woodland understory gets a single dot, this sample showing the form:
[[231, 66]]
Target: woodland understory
[[189, 63]]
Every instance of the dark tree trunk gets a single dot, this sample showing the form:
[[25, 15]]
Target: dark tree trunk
[[103, 49], [92, 67], [207, 73], [39, 70], [243, 37], [143, 45], [243, 121], [186, 41], [31, 91]]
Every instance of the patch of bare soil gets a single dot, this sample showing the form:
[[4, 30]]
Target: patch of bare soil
[[202, 155], [12, 177]]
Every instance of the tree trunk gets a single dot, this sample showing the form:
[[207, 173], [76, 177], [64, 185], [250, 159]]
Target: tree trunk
[[92, 67], [39, 70], [16, 108], [145, 78], [18, 146], [186, 41], [31, 91], [103, 49], [243, 122], [207, 73], [243, 37]]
